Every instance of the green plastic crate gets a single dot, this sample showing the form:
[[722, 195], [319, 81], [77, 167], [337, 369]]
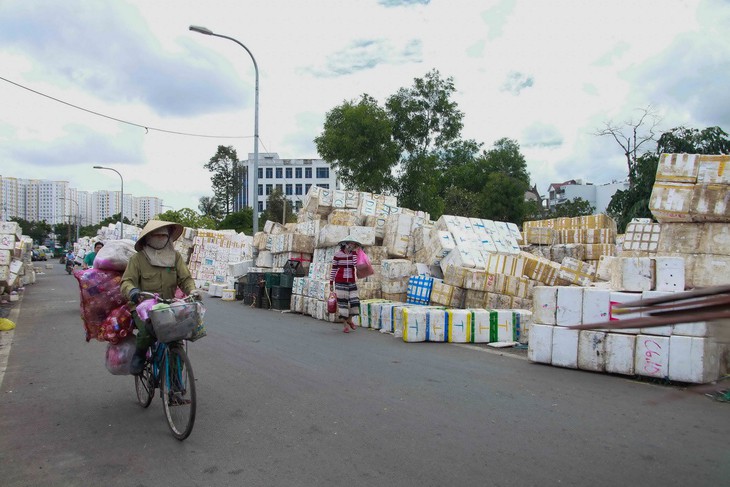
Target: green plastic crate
[[273, 279]]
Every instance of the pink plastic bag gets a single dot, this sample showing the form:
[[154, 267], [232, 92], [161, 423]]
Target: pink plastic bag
[[363, 265], [119, 356], [332, 303]]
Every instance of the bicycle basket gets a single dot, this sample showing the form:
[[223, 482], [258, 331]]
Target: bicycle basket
[[175, 322]]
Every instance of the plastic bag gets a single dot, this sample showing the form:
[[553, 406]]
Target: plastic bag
[[100, 294], [6, 324], [119, 356], [332, 303], [363, 265], [117, 325], [114, 255]]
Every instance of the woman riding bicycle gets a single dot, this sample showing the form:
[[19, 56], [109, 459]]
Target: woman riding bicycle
[[156, 268]]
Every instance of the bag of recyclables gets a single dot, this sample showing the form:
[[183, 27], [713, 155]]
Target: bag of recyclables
[[177, 321]]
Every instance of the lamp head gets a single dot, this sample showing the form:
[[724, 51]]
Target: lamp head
[[201, 30]]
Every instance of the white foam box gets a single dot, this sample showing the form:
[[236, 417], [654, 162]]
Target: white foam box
[[395, 268], [415, 323], [652, 356], [387, 321], [480, 325], [460, 257], [620, 353], [540, 346], [632, 274], [710, 203], [394, 286], [4, 257], [569, 305], [592, 350], [7, 242], [331, 235], [669, 272], [239, 268], [713, 169], [642, 237], [678, 168], [265, 259], [446, 295], [705, 270], [459, 325], [398, 318], [655, 330], [700, 329], [671, 202], [714, 238], [603, 269], [16, 266], [505, 324], [545, 303], [596, 305], [695, 360], [617, 299], [523, 322], [565, 347], [436, 325]]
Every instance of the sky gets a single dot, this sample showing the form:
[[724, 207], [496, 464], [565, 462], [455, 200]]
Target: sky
[[547, 74]]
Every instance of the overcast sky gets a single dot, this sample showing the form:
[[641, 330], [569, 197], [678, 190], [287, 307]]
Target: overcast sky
[[547, 74]]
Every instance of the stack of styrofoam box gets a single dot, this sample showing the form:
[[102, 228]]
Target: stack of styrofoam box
[[114, 231], [395, 274], [641, 238], [10, 234], [397, 233], [214, 252]]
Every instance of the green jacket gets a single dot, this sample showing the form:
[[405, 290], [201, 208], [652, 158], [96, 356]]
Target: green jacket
[[89, 259], [144, 276]]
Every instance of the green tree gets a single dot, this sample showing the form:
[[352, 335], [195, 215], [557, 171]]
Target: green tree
[[357, 141], [208, 206], [38, 231], [503, 198], [276, 210], [574, 207], [188, 218], [240, 221], [505, 157], [421, 185], [226, 177]]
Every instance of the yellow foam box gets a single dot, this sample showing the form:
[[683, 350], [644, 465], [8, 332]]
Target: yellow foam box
[[671, 202]]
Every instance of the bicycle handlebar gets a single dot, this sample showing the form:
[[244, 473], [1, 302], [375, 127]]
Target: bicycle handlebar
[[159, 299]]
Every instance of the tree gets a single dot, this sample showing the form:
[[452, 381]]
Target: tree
[[421, 184], [188, 218], [506, 158], [634, 134], [275, 209], [240, 221], [357, 142], [38, 231], [208, 206], [502, 198], [226, 177], [574, 207]]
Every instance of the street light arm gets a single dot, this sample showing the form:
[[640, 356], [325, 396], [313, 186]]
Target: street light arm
[[121, 212]]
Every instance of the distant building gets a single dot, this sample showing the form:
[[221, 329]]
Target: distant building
[[599, 196], [293, 177]]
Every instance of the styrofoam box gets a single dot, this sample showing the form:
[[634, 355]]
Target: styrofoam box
[[569, 305], [617, 298], [656, 330], [565, 347], [545, 302], [695, 360], [436, 326], [620, 353], [540, 347], [652, 356], [596, 305], [459, 320], [592, 350], [523, 320], [632, 274], [698, 329], [669, 273], [414, 324]]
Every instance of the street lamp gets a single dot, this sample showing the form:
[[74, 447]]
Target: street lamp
[[255, 192], [121, 213], [78, 214]]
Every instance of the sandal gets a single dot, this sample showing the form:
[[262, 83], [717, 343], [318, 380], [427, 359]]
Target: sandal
[[346, 330], [352, 325]]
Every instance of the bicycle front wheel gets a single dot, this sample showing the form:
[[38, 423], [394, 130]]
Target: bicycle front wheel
[[144, 384], [178, 391]]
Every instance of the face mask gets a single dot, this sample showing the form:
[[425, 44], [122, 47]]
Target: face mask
[[157, 242]]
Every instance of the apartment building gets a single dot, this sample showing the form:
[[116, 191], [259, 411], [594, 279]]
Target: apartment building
[[598, 195], [293, 177]]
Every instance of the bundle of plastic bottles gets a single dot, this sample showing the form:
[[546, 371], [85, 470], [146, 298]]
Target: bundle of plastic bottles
[[117, 325], [100, 295]]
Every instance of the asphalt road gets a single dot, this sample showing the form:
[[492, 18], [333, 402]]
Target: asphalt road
[[284, 399]]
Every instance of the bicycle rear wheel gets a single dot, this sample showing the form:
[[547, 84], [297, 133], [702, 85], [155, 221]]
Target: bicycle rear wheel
[[178, 391], [144, 384]]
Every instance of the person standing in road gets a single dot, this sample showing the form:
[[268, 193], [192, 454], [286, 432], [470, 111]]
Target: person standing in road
[[343, 280], [89, 258], [156, 268]]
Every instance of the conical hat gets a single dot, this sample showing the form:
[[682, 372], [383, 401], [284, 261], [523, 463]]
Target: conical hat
[[153, 225], [352, 239]]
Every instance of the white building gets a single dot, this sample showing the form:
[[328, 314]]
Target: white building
[[293, 177], [145, 208], [599, 196]]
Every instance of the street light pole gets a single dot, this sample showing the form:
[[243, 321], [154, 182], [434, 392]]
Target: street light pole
[[255, 191], [121, 212], [78, 214]]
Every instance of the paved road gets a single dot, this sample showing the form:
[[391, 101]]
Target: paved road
[[288, 400]]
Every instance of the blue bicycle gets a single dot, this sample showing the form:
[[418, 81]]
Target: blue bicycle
[[168, 369]]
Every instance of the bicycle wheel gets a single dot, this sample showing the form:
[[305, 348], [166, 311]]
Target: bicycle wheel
[[178, 391], [144, 384]]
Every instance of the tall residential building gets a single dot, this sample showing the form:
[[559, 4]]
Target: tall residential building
[[293, 177], [145, 208]]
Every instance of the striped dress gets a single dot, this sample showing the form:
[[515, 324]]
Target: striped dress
[[343, 275]]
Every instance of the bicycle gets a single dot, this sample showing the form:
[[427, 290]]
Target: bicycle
[[168, 368]]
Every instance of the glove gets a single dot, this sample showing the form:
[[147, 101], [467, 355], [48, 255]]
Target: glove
[[197, 295], [134, 296]]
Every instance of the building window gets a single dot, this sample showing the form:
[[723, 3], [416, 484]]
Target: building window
[[261, 189], [324, 186], [323, 173], [279, 173], [288, 173], [269, 188], [308, 173], [261, 206], [298, 172], [307, 188], [280, 188], [269, 172], [261, 173], [298, 189], [289, 189]]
